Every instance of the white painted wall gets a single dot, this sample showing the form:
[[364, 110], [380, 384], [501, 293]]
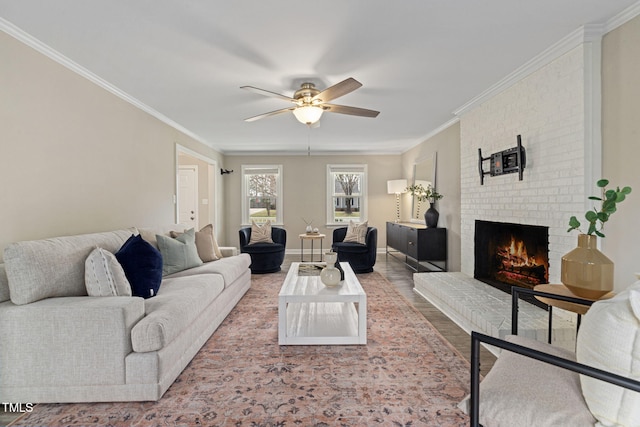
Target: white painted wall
[[621, 142], [75, 158]]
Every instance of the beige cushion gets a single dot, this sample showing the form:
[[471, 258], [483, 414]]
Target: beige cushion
[[4, 285], [260, 233], [523, 392], [206, 244], [104, 276], [609, 339], [216, 249], [356, 233], [178, 254]]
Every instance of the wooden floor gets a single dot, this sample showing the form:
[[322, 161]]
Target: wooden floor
[[401, 277]]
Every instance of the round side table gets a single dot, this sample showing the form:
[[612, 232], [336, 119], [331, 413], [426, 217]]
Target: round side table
[[562, 290], [312, 237]]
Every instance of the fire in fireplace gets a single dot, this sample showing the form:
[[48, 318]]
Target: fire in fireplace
[[509, 254]]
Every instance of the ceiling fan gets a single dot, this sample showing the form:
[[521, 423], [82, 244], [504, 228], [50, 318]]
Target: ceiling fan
[[310, 102]]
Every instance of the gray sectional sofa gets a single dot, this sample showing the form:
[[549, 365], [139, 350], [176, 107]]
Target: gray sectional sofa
[[59, 345]]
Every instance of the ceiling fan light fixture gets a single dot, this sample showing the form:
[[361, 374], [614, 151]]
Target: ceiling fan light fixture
[[308, 114]]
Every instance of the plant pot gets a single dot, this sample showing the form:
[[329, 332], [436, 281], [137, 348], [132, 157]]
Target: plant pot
[[586, 271], [431, 216]]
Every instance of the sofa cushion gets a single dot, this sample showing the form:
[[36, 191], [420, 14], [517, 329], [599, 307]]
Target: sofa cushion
[[4, 285], [208, 249], [180, 253], [520, 391], [149, 233], [229, 268], [142, 264], [208, 229], [356, 233], [260, 233], [54, 267], [609, 339], [178, 303], [104, 276]]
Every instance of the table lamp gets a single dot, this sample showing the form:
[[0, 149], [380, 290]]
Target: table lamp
[[397, 186]]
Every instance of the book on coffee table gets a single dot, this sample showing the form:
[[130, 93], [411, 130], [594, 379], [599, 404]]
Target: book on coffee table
[[310, 268]]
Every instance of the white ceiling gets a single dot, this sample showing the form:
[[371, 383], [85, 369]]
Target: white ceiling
[[418, 60]]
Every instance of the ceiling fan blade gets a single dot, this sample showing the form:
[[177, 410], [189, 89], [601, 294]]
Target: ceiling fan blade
[[272, 113], [267, 93], [338, 90], [354, 111]]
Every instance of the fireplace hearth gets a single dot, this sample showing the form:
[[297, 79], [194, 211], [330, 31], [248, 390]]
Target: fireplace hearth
[[508, 254]]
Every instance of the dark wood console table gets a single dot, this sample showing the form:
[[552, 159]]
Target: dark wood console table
[[422, 247]]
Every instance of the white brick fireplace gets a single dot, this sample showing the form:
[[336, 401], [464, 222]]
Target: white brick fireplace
[[556, 110], [552, 110]]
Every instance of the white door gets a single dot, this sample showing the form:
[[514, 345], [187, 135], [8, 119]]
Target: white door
[[188, 196]]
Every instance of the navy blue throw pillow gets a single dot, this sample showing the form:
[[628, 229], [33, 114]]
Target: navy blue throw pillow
[[142, 264]]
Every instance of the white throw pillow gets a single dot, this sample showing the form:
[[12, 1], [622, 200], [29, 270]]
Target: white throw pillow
[[104, 276], [356, 233], [260, 234], [609, 339]]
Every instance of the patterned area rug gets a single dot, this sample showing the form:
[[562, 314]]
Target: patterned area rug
[[407, 374]]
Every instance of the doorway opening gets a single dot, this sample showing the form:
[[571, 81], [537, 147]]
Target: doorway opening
[[196, 189]]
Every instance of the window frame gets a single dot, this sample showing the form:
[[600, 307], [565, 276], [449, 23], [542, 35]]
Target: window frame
[[246, 171], [348, 168]]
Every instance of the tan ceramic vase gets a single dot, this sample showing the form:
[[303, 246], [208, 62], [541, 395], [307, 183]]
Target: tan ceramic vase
[[586, 271]]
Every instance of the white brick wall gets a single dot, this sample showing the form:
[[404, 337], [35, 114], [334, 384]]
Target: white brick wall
[[548, 109]]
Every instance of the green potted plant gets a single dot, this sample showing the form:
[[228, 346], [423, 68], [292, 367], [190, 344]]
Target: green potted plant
[[431, 215], [419, 193], [586, 271], [432, 195], [597, 218], [426, 194]]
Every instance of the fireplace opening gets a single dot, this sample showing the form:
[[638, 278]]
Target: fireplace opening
[[509, 255]]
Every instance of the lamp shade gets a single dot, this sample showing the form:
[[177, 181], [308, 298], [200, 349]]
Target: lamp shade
[[396, 186], [308, 114]]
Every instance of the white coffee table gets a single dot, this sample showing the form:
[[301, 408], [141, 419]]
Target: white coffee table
[[310, 313]]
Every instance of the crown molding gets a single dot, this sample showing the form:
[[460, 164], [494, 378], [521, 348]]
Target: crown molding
[[311, 154], [433, 133], [587, 33], [623, 17], [56, 56]]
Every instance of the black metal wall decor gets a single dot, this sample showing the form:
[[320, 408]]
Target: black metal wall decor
[[507, 161]]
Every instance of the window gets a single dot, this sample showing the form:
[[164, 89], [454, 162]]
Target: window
[[262, 194], [346, 193]]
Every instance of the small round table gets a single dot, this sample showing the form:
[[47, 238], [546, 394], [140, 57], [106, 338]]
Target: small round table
[[562, 290], [312, 237]]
